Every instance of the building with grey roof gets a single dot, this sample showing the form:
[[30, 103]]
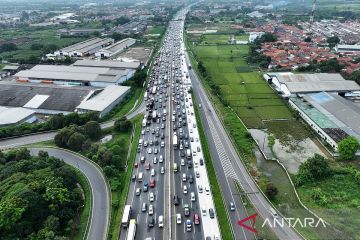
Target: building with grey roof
[[339, 48], [330, 115], [54, 99], [115, 48], [289, 84], [113, 64], [11, 116], [84, 48], [75, 75]]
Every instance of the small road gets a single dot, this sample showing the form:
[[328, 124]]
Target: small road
[[229, 167], [98, 224], [41, 137]]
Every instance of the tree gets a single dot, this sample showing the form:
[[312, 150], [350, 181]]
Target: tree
[[36, 46], [355, 76], [93, 130], [348, 147], [76, 141], [271, 191], [7, 47], [62, 137], [307, 39], [122, 125], [314, 168], [332, 41], [57, 121]]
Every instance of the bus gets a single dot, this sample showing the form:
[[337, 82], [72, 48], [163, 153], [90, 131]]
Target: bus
[[126, 216], [132, 230], [175, 141]]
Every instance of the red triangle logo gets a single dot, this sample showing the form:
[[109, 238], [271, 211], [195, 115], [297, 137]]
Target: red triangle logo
[[252, 218]]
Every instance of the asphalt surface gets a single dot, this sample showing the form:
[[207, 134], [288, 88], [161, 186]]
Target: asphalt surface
[[98, 225], [229, 167]]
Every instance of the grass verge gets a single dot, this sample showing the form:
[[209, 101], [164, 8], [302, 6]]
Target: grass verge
[[122, 196], [224, 222]]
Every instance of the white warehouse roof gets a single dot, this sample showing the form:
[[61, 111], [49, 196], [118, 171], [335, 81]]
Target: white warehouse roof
[[14, 115], [107, 63], [103, 99]]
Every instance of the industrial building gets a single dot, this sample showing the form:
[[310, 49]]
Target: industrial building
[[84, 48], [53, 99], [12, 116], [115, 48], [79, 32], [104, 101], [330, 115], [352, 49], [288, 84], [74, 75], [113, 64]]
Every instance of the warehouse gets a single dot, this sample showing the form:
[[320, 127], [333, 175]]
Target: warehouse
[[353, 49], [330, 115], [288, 84], [115, 48], [74, 75], [84, 48], [12, 116], [104, 101], [53, 99], [113, 64]]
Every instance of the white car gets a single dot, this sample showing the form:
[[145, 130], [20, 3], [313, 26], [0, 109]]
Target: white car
[[149, 151], [151, 197], [153, 172], [161, 159], [162, 170], [207, 191], [200, 189], [151, 209], [182, 162], [185, 189], [203, 211], [178, 218], [161, 221], [155, 160]]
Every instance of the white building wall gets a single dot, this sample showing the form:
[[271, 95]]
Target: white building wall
[[314, 126]]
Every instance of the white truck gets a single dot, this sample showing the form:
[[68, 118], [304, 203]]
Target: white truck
[[132, 230], [175, 141]]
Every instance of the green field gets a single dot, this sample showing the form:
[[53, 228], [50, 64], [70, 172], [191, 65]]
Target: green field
[[157, 30], [241, 86], [212, 39]]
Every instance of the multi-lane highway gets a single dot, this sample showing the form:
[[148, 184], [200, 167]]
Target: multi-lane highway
[[98, 225]]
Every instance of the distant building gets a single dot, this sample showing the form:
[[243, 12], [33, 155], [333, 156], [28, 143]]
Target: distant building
[[53, 99], [18, 115], [347, 49], [115, 48], [79, 32], [75, 75], [85, 48], [289, 84], [254, 35]]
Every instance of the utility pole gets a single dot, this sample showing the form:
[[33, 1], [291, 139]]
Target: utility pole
[[312, 15]]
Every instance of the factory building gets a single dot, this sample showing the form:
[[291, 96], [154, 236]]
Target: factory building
[[115, 48], [84, 48], [53, 99], [75, 75], [113, 64]]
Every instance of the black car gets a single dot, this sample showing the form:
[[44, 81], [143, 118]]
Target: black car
[[189, 164], [151, 222], [191, 178], [211, 213], [201, 161], [176, 200]]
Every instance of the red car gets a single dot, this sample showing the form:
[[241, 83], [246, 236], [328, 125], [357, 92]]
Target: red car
[[147, 166], [196, 219], [152, 183], [136, 165]]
